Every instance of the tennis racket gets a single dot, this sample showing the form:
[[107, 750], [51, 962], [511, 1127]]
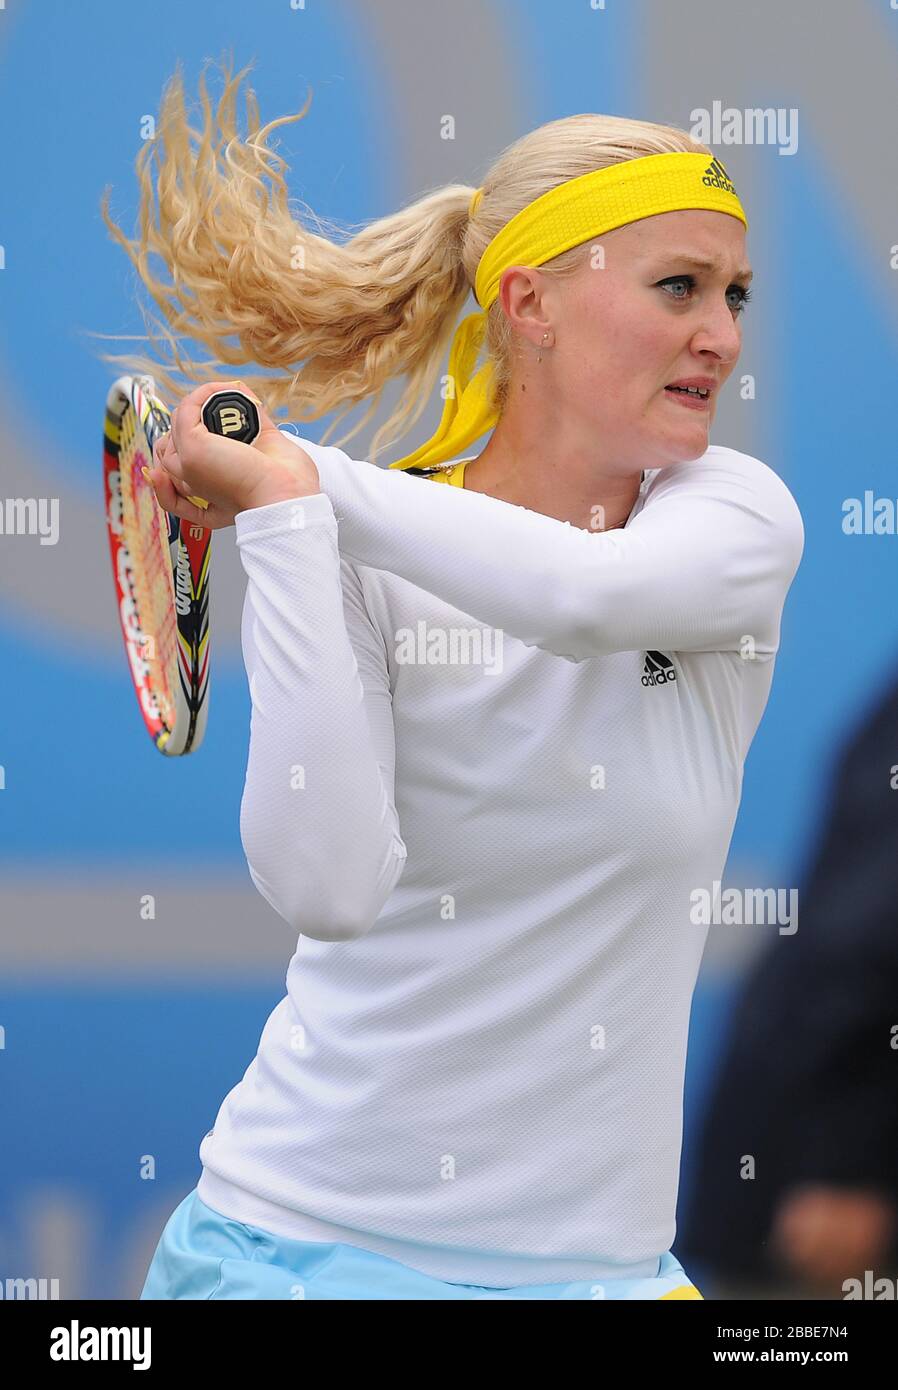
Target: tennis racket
[[160, 563]]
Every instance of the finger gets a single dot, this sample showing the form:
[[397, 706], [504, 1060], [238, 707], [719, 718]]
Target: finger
[[163, 486], [163, 448], [180, 486], [187, 491], [166, 456], [172, 501]]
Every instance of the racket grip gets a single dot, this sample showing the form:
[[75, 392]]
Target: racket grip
[[233, 415]]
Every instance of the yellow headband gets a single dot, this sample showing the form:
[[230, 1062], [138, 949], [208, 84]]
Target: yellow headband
[[566, 216]]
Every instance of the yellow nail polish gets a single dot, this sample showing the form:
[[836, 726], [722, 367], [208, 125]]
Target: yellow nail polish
[[242, 386], [146, 473]]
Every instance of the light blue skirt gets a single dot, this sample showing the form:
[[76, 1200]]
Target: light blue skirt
[[202, 1254]]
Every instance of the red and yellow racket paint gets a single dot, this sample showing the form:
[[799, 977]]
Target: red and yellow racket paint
[[161, 569]]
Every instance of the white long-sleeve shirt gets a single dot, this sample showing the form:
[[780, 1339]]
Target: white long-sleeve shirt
[[492, 756]]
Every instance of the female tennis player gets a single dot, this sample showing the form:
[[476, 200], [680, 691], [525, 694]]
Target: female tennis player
[[498, 728]]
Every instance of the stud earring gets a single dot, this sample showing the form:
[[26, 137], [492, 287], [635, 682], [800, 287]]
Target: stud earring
[[539, 356]]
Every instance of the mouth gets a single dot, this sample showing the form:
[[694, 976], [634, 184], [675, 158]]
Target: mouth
[[692, 397]]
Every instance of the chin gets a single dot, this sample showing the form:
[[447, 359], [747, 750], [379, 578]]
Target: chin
[[695, 447], [684, 454]]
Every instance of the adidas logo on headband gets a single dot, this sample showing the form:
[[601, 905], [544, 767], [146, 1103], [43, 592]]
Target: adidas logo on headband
[[716, 176]]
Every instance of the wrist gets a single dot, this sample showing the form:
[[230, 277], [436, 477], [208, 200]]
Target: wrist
[[267, 497], [284, 484]]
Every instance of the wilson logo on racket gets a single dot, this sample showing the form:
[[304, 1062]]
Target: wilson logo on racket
[[183, 589], [231, 421], [232, 414]]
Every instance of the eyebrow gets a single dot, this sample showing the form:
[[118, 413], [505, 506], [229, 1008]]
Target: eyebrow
[[746, 273]]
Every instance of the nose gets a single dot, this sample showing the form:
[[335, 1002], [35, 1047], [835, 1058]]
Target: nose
[[720, 332]]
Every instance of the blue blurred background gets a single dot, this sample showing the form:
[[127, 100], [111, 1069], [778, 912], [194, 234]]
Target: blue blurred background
[[121, 1035]]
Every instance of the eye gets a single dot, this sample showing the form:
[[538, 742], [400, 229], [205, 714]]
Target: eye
[[743, 295], [678, 280]]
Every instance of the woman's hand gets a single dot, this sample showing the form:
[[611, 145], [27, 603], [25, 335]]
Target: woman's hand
[[232, 477]]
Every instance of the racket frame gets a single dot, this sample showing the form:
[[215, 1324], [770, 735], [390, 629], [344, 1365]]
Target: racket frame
[[189, 552]]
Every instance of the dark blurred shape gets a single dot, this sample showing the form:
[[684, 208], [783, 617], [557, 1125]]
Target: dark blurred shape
[[808, 1084]]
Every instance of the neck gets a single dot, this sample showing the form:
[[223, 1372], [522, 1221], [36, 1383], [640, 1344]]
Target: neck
[[560, 480]]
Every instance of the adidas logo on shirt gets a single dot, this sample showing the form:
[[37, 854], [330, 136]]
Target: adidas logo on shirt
[[658, 669], [716, 176]]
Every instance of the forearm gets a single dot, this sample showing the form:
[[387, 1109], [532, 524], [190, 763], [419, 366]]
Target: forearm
[[318, 827], [697, 573]]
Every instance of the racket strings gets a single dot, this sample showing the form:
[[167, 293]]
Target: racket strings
[[145, 534]]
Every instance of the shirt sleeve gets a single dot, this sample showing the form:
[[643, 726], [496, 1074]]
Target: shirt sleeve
[[318, 821], [705, 562]]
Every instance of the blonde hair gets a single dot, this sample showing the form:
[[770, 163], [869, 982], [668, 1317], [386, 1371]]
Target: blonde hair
[[356, 312]]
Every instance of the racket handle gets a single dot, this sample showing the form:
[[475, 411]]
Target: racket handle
[[234, 416]]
